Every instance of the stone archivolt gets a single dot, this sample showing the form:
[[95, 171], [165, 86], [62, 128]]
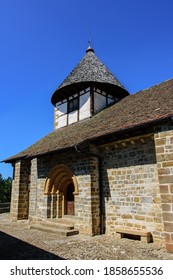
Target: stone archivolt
[[59, 178]]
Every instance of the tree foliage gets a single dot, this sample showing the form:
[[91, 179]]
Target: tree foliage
[[5, 189]]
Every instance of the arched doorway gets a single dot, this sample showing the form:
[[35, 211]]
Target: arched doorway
[[60, 188]]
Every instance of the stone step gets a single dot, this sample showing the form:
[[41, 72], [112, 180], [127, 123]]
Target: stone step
[[57, 225], [65, 220], [58, 231]]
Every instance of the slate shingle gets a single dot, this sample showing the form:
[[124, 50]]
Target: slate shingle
[[90, 70]]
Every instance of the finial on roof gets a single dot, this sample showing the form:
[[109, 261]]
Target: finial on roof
[[90, 49]]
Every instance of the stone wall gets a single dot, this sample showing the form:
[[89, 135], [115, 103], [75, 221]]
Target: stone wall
[[164, 152], [20, 192], [137, 186], [86, 201], [131, 191]]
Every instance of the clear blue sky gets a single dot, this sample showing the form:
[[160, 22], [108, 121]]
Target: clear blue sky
[[41, 41]]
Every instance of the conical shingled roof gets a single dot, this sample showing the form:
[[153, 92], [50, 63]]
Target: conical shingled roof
[[90, 70]]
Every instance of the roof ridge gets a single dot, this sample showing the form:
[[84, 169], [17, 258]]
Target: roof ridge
[[153, 86]]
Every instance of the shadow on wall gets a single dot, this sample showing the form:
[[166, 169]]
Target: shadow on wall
[[12, 248]]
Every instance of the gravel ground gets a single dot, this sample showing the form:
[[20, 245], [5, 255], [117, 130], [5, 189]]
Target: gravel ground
[[18, 242]]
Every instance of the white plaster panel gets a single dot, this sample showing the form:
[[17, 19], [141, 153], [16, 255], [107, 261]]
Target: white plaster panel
[[72, 117], [87, 89], [62, 109], [99, 102], [56, 112], [62, 121], [84, 106]]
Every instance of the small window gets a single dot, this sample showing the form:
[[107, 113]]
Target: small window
[[73, 105]]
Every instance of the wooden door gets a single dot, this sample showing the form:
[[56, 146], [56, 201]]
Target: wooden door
[[70, 200]]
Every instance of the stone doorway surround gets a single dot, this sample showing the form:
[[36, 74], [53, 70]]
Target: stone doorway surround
[[59, 182]]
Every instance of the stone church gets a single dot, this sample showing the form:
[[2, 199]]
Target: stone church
[[107, 168]]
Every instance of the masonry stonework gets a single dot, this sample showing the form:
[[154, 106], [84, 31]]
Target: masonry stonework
[[137, 187], [86, 202], [20, 193], [33, 188], [164, 154], [131, 187]]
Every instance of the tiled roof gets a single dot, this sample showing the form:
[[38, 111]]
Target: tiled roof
[[144, 107], [89, 70]]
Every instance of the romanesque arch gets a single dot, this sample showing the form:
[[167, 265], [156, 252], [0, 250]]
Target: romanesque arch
[[60, 187], [59, 178]]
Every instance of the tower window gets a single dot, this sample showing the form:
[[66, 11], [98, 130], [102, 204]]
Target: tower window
[[73, 105]]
